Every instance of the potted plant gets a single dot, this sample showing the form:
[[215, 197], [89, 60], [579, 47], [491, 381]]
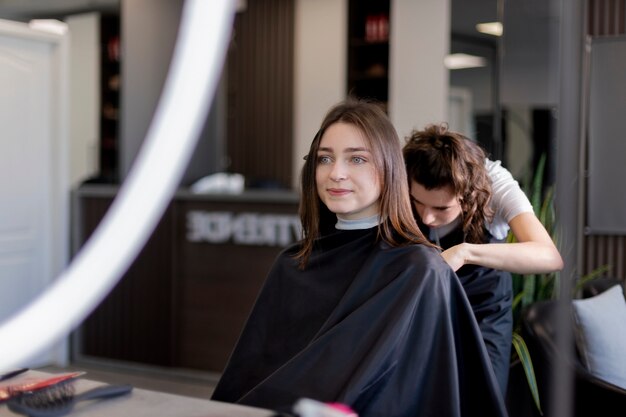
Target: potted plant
[[531, 288]]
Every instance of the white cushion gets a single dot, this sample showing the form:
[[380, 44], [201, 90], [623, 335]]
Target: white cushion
[[601, 334]]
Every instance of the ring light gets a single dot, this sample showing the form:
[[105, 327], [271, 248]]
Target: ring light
[[200, 50]]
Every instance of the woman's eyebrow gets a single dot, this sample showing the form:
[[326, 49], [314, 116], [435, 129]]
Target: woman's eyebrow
[[358, 149], [354, 149]]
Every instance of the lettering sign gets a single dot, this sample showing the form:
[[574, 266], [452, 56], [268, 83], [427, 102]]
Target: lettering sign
[[257, 229]]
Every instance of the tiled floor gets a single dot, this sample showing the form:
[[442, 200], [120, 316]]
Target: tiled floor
[[181, 382]]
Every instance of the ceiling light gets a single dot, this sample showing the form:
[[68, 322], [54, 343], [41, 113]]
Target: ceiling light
[[460, 61], [491, 28], [49, 25]]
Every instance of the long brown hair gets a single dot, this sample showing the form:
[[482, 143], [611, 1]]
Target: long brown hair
[[437, 157], [397, 226]]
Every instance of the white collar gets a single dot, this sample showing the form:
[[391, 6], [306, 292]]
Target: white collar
[[357, 224]]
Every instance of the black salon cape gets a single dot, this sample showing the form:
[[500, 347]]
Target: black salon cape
[[387, 331]]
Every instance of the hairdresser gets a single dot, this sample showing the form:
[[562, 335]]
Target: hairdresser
[[466, 204]]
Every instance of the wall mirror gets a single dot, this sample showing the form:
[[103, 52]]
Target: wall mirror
[[513, 90]]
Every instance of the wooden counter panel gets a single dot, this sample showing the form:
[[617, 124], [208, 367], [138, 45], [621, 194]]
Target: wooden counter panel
[[218, 284], [185, 299], [135, 321]]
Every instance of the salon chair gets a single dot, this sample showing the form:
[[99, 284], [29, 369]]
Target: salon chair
[[591, 396]]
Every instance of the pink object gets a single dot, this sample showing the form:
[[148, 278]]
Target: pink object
[[307, 407], [343, 408]]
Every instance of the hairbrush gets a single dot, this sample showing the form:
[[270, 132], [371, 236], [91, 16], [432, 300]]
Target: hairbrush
[[28, 383], [59, 399]]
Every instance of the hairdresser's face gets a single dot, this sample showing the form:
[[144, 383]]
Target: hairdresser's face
[[437, 207], [346, 178]]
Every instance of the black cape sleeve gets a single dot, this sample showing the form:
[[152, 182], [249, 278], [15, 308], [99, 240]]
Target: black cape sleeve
[[387, 331]]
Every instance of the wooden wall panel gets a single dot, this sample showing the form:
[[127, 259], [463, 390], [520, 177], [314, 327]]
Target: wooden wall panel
[[608, 251], [260, 93], [606, 17]]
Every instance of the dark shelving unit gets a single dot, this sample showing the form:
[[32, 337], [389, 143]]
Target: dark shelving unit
[[110, 51], [368, 49]]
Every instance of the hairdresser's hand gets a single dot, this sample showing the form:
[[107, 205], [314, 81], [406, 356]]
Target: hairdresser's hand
[[455, 256]]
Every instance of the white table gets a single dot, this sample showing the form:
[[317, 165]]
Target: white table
[[140, 403]]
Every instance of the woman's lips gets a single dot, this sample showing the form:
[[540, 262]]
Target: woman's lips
[[337, 192]]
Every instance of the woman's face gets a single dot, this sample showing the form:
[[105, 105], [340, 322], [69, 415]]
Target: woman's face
[[346, 178], [437, 207]]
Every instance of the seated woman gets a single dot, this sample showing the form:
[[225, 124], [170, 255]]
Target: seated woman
[[466, 203], [363, 311]]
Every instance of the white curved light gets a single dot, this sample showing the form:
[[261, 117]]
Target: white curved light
[[200, 50]]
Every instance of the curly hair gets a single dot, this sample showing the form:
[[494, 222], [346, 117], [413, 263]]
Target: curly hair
[[437, 157]]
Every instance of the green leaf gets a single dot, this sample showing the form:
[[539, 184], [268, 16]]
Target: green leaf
[[527, 364], [530, 288], [537, 185], [517, 300], [590, 276]]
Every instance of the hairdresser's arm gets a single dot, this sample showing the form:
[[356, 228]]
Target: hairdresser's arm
[[533, 253]]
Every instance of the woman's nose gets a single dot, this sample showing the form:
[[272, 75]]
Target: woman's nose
[[338, 173]]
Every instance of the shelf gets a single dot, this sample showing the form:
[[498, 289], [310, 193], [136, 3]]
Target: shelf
[[110, 56], [368, 49]]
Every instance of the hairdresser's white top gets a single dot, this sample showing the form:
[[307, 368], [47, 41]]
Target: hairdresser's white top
[[507, 199]]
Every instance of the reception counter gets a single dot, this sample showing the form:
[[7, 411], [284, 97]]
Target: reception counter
[[185, 299]]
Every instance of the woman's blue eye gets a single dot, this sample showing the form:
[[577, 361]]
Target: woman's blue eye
[[324, 159], [358, 160]]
